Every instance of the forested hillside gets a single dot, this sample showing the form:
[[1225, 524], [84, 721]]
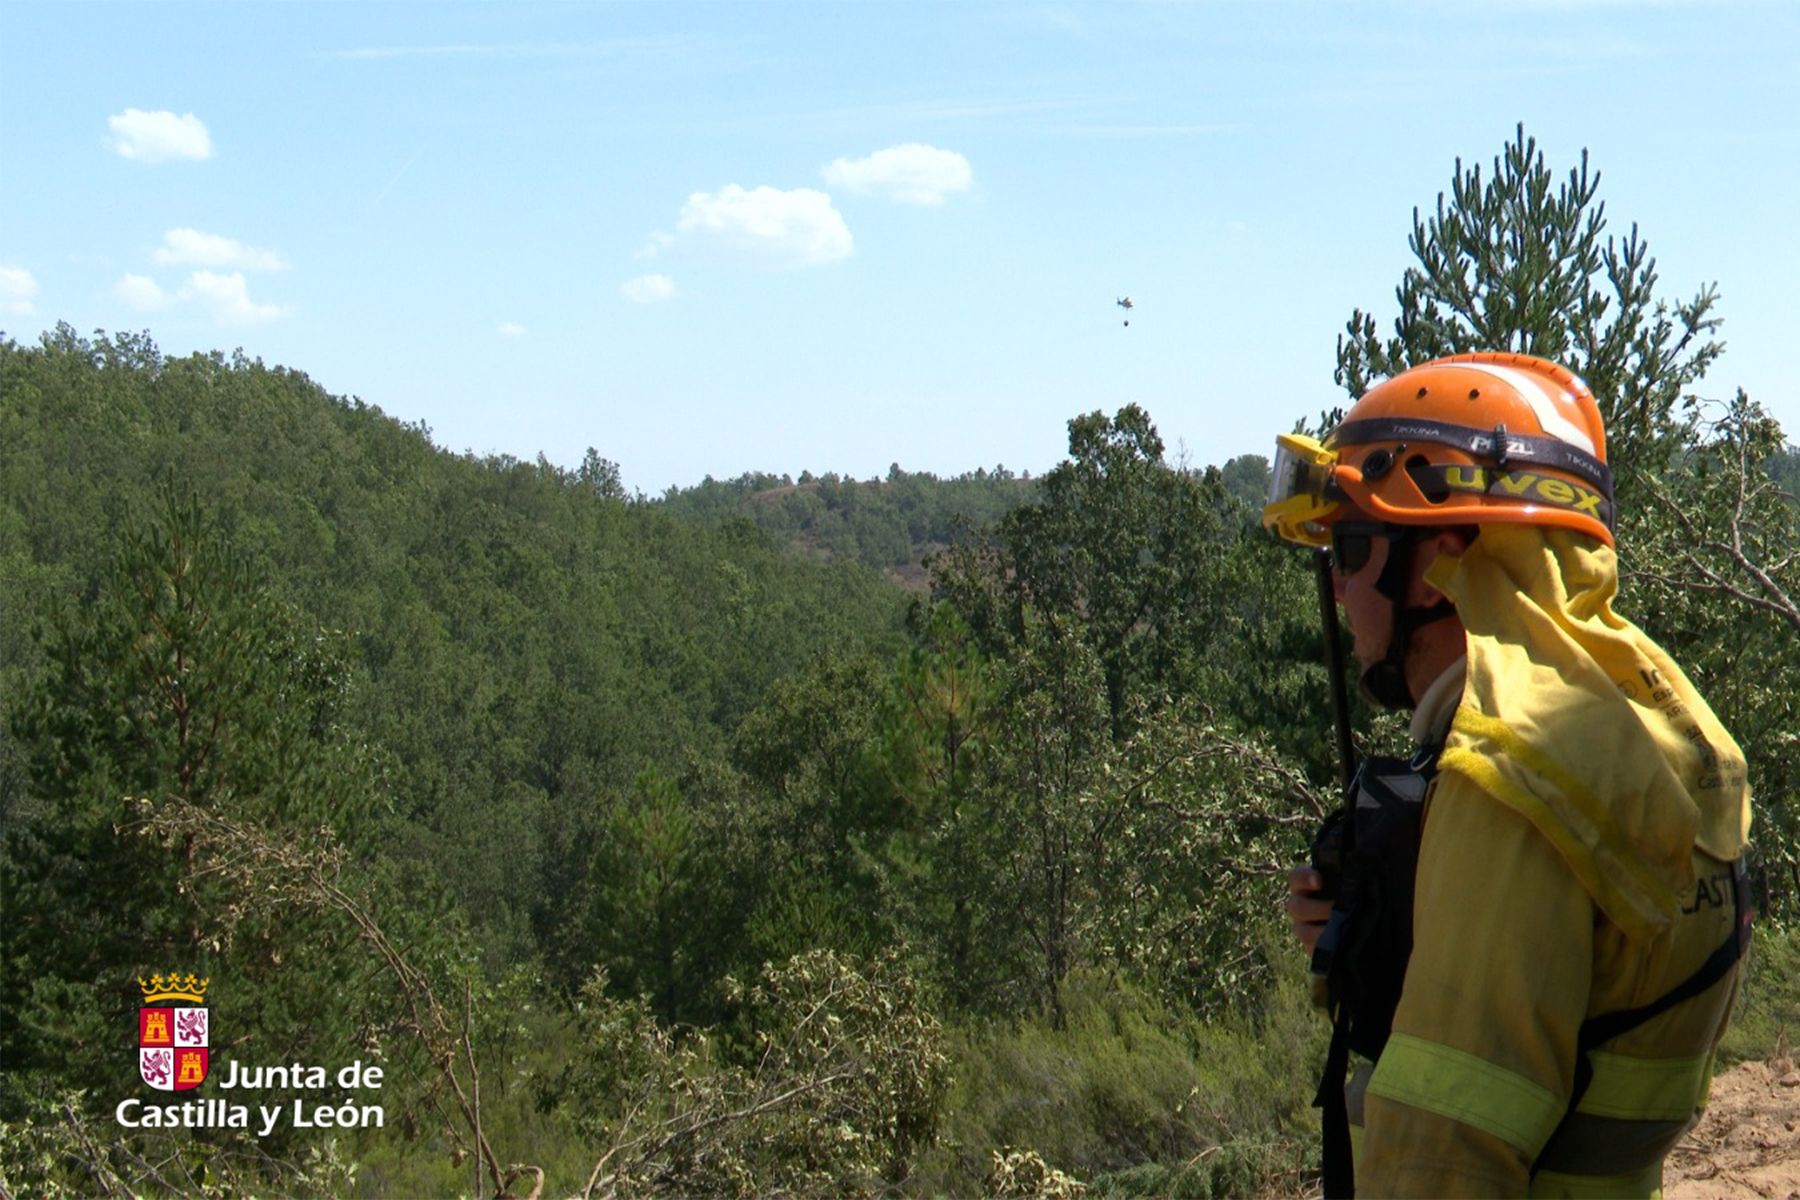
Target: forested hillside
[[665, 846], [517, 640], [892, 524], [898, 523]]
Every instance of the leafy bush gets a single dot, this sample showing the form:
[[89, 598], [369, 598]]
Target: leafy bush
[[1768, 1008], [834, 1091], [1135, 1098]]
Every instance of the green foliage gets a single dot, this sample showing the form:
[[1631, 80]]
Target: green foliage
[[55, 1147], [1205, 823], [927, 849], [648, 874], [794, 846], [1045, 838], [519, 1043], [1236, 1169], [1155, 854], [835, 1090], [1521, 263], [1019, 842], [1118, 542], [184, 683], [426, 1006], [1246, 478], [1258, 656], [1128, 1082], [1767, 1021], [529, 660], [529, 638], [887, 524], [1784, 469], [1162, 572]]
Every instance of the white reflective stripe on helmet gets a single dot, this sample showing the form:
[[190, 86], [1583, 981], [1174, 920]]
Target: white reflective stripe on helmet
[[1534, 390]]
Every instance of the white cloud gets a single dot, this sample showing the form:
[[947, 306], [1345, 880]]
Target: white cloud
[[797, 227], [154, 137], [913, 173], [191, 248], [511, 329], [142, 293], [225, 296], [18, 292], [659, 241], [648, 289], [228, 297]]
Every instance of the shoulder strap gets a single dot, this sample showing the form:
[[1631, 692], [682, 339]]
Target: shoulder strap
[[1604, 1028], [1597, 1030], [1337, 1166]]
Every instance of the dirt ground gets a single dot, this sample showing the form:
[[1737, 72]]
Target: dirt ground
[[1748, 1143]]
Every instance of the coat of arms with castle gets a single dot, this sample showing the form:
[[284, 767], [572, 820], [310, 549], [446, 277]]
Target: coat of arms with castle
[[172, 1040]]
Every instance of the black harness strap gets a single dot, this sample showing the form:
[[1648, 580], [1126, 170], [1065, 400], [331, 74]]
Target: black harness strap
[[1379, 827], [1596, 1031], [1338, 1160]]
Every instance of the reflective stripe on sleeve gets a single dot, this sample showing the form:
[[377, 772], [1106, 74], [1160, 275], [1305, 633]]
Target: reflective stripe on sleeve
[[1645, 1089], [1456, 1084]]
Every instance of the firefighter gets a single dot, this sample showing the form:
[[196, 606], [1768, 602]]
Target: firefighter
[[1531, 931]]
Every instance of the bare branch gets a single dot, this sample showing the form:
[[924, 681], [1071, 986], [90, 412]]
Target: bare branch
[[308, 875], [96, 1160]]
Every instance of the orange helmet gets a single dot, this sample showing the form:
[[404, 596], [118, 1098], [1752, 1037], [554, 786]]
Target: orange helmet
[[1460, 440]]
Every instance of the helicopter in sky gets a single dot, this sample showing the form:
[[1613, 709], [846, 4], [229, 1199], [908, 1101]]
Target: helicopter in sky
[[1124, 302]]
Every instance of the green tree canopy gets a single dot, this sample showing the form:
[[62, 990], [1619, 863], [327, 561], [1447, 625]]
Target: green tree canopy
[[1518, 261]]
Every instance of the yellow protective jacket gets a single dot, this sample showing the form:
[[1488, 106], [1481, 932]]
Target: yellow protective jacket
[[1575, 860]]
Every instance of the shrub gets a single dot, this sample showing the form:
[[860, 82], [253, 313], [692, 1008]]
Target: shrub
[[1135, 1098]]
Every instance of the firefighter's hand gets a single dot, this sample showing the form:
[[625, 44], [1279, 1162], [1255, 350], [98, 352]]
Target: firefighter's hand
[[1307, 911]]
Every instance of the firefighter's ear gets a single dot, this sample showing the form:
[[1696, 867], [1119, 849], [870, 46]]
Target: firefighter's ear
[[1452, 541]]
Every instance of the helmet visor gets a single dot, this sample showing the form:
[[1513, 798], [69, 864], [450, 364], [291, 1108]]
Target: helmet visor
[[1298, 505]]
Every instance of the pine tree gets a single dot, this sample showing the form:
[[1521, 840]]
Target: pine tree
[[184, 683], [1520, 263]]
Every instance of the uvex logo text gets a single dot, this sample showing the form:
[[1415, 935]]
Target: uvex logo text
[[1527, 485]]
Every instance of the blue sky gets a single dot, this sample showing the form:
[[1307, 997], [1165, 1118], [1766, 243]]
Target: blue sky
[[711, 238]]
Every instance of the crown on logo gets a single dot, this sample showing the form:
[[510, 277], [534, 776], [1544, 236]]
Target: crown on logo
[[174, 987]]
